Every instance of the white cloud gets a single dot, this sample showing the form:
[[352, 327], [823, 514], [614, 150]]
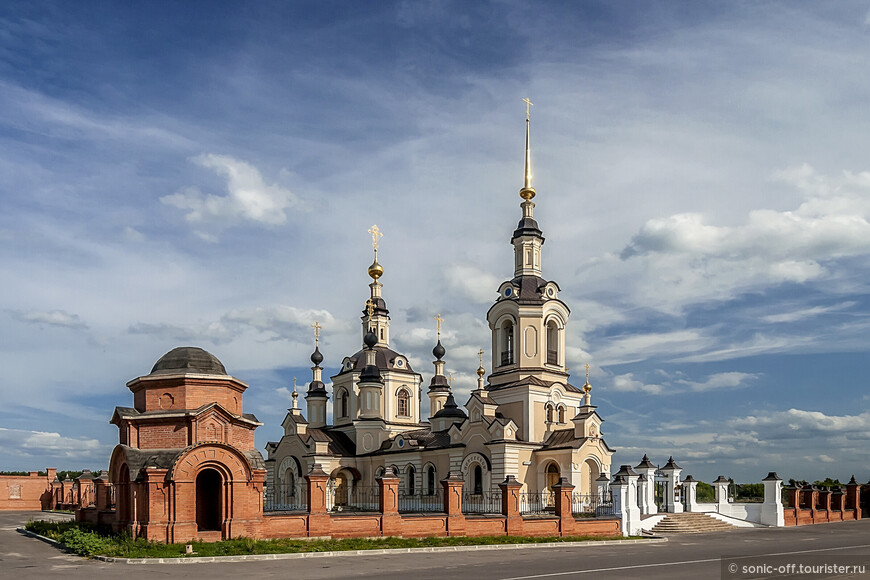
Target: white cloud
[[805, 313], [59, 318], [628, 383], [691, 259], [639, 347], [731, 380], [20, 443], [473, 283], [249, 197]]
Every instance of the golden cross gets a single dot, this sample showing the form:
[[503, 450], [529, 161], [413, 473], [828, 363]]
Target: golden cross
[[480, 356], [294, 384], [370, 307], [587, 373], [450, 378], [528, 104], [316, 326], [438, 321], [376, 233]]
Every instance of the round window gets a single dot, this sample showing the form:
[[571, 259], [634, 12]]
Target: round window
[[400, 363], [401, 443], [508, 291], [551, 292]]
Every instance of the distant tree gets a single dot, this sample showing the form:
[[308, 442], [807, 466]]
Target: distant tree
[[828, 482], [705, 493]]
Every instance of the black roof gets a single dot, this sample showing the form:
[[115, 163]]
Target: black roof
[[384, 359], [188, 359]]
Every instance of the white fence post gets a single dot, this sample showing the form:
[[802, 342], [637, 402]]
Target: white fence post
[[772, 513], [690, 493]]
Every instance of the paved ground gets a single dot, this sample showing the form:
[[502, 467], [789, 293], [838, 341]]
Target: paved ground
[[684, 556]]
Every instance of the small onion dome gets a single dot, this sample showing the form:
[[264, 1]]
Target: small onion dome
[[450, 409], [370, 339], [316, 357], [439, 351], [481, 371], [376, 270]]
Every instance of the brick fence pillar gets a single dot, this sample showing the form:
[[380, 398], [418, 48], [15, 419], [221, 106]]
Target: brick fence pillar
[[452, 485], [510, 505], [101, 488], [564, 492], [318, 518], [853, 497], [388, 503]]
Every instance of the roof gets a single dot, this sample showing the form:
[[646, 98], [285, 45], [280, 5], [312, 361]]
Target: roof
[[339, 442], [132, 413], [385, 359], [565, 439], [188, 359]]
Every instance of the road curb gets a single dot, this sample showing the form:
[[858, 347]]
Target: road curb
[[382, 551]]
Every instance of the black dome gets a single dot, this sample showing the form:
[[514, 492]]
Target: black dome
[[450, 409], [316, 357], [439, 350], [370, 339], [188, 359]]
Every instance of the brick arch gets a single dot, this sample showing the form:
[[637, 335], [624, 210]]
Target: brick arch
[[225, 459]]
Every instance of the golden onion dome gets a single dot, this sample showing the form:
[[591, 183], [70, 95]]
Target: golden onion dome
[[481, 371], [376, 270]]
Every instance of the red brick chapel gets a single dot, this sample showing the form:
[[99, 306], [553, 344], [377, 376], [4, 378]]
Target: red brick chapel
[[186, 466]]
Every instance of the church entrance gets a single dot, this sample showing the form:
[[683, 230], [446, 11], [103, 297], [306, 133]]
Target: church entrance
[[208, 500], [553, 476]]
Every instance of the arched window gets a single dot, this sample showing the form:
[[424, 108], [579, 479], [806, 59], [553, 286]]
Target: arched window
[[478, 480], [430, 480], [343, 400], [552, 343], [507, 352], [561, 414], [411, 476], [403, 408], [549, 413]]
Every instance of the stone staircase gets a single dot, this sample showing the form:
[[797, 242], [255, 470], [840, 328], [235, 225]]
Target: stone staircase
[[690, 523]]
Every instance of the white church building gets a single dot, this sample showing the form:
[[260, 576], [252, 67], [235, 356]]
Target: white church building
[[525, 418]]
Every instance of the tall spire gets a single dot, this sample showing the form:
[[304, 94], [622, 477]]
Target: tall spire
[[376, 316], [528, 192]]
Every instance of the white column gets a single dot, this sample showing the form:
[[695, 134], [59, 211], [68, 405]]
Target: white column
[[647, 489], [672, 487], [721, 488], [690, 494], [624, 488], [772, 513]]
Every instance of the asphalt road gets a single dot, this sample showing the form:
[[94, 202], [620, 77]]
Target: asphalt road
[[684, 556]]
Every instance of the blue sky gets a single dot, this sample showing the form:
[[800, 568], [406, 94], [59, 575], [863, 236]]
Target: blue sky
[[204, 174]]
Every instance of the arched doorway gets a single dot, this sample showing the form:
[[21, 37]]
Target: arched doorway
[[209, 516], [341, 489], [588, 476], [553, 476]]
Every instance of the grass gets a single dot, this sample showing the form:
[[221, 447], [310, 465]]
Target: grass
[[88, 541]]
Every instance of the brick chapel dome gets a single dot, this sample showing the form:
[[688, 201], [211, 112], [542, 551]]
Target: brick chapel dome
[[188, 359]]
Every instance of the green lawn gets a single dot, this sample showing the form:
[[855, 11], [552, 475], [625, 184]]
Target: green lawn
[[87, 541]]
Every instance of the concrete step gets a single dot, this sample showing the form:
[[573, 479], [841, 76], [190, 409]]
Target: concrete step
[[690, 523]]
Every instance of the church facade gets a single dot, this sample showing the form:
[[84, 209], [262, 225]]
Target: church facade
[[525, 419]]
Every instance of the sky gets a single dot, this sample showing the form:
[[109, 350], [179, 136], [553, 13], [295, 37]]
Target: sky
[[205, 173]]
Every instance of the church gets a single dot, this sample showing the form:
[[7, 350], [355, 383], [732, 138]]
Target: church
[[524, 419]]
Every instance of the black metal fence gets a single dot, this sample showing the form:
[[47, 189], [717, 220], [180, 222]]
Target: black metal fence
[[422, 502], [283, 497], [486, 502], [591, 505], [341, 498], [537, 502]]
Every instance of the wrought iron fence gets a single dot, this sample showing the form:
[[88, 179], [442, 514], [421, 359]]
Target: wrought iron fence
[[746, 492], [486, 502], [537, 502], [284, 497], [591, 505], [352, 498], [89, 496], [421, 502]]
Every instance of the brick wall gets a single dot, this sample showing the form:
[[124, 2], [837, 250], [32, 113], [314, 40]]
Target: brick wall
[[26, 492]]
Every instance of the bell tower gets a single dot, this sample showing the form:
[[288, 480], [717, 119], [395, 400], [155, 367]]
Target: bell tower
[[528, 319]]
